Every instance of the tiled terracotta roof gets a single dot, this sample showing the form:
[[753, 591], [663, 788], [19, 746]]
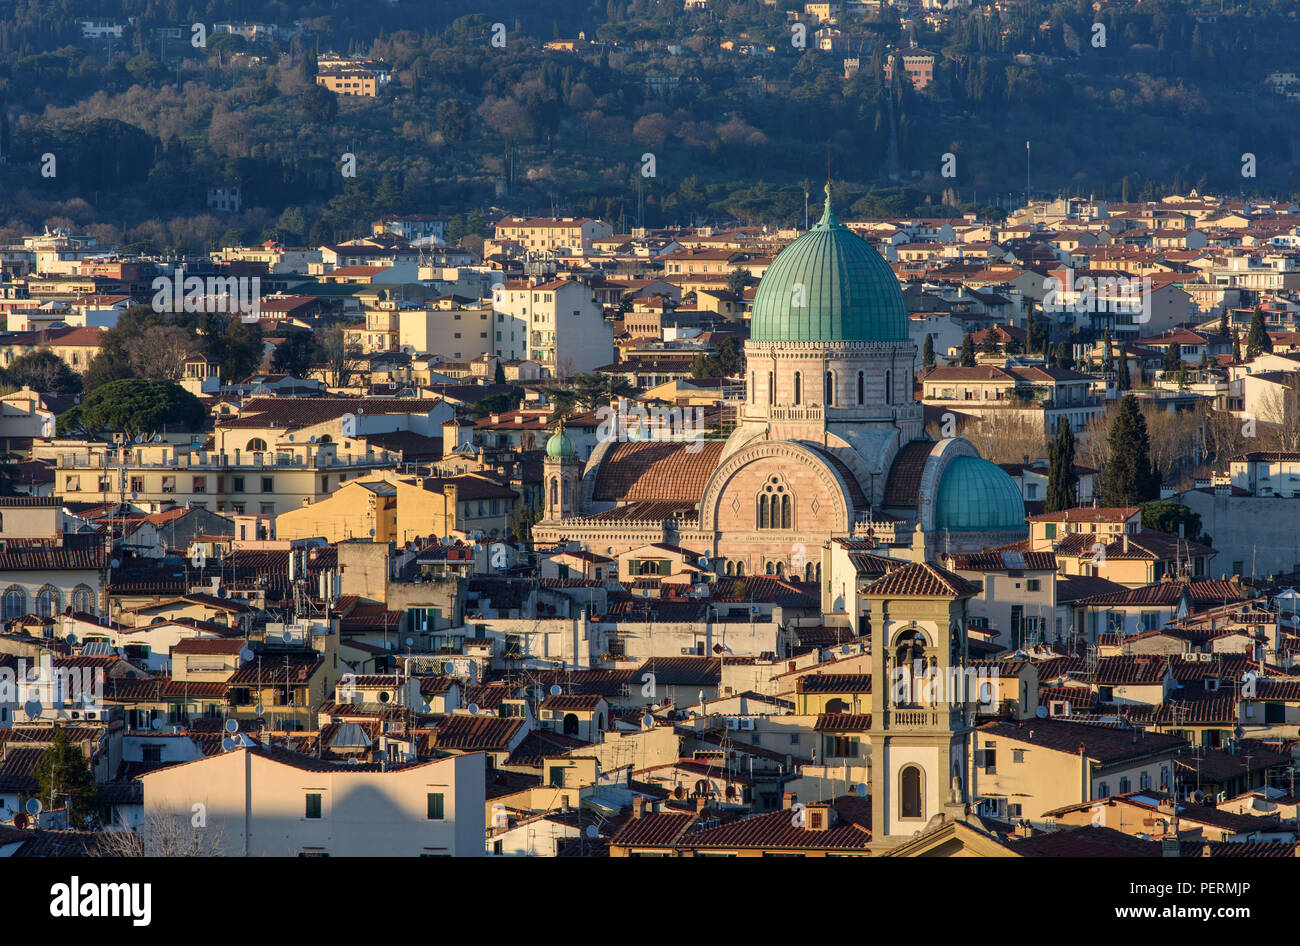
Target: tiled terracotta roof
[[921, 579], [44, 558], [835, 683], [1105, 744], [843, 722], [472, 733], [660, 471], [1168, 592], [656, 829], [904, 483], [850, 830]]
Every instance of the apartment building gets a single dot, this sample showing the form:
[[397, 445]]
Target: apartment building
[[270, 802], [552, 234], [557, 324]]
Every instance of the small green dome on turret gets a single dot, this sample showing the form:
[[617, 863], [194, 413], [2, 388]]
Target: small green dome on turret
[[560, 447]]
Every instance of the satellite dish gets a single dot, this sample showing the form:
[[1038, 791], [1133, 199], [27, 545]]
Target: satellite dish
[[34, 806], [20, 821], [139, 438], [372, 533], [156, 725], [291, 438], [221, 592], [647, 721], [114, 564], [232, 726], [227, 743], [260, 709], [71, 638], [245, 655], [312, 440], [862, 790], [473, 709], [1041, 712], [33, 709], [555, 689], [157, 438], [591, 831], [288, 635], [410, 641]]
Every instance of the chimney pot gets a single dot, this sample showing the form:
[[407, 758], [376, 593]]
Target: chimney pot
[[787, 800]]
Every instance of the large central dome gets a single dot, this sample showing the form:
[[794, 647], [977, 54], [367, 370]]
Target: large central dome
[[830, 285]]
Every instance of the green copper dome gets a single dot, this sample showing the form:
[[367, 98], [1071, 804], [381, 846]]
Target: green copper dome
[[830, 285], [560, 447], [975, 494]]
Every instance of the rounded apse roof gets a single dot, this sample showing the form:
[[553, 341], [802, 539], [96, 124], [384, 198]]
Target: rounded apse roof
[[975, 494]]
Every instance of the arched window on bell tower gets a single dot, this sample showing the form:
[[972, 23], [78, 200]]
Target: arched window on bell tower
[[798, 387], [830, 388], [911, 784], [555, 491]]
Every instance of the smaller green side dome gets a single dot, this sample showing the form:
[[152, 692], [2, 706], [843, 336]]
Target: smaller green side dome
[[975, 494], [560, 447]]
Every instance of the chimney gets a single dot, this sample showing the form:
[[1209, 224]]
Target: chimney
[[787, 800], [701, 803], [638, 806], [1024, 829], [1126, 543]]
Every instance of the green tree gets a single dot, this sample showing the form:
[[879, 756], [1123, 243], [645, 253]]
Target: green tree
[[1065, 355], [1107, 357], [1128, 479], [499, 375], [65, 779], [1122, 382], [927, 354], [1165, 515], [1223, 322], [141, 406], [1062, 478], [1236, 345], [967, 359], [1173, 358], [1257, 340], [737, 280], [989, 346], [295, 355], [42, 371]]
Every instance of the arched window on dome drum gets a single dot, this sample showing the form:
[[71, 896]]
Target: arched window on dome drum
[[862, 386], [771, 388], [785, 512], [762, 511], [753, 391], [830, 388], [740, 569], [15, 602], [889, 391], [909, 783], [798, 387], [780, 569], [47, 601]]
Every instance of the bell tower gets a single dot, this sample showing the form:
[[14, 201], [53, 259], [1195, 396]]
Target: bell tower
[[924, 696]]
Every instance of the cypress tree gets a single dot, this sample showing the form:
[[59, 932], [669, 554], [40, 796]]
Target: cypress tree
[[927, 354], [1257, 340], [1122, 382], [1107, 358], [63, 772], [1236, 345], [967, 351], [1062, 479], [1173, 357], [1128, 479]]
